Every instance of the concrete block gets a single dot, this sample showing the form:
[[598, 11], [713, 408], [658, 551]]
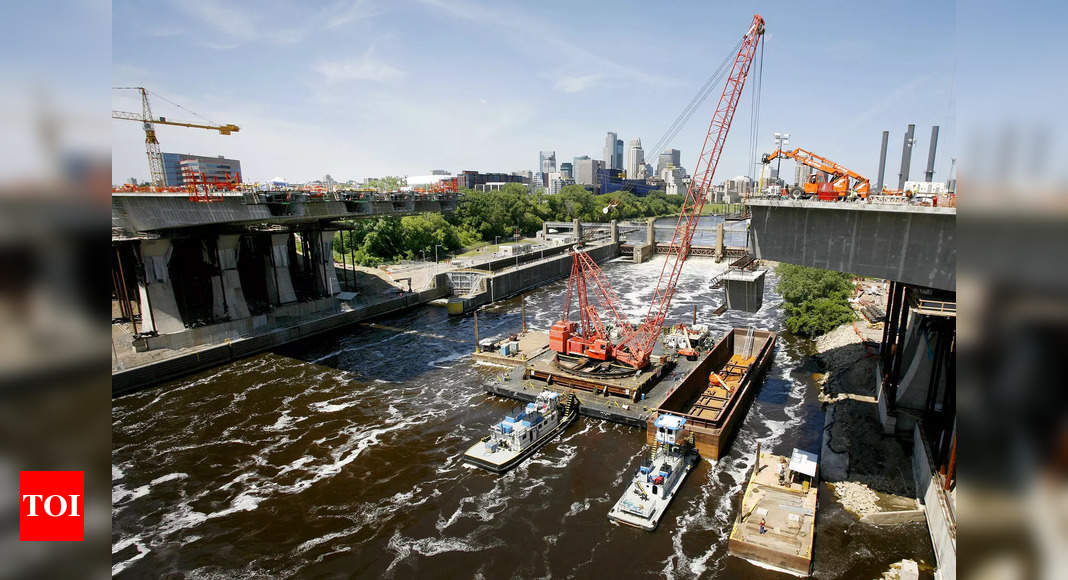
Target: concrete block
[[744, 289]]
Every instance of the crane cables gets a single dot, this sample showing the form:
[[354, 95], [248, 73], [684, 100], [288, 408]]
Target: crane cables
[[159, 96], [754, 113], [703, 93]]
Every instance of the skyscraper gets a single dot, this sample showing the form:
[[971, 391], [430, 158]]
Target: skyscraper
[[610, 150], [547, 162], [618, 157], [635, 158], [670, 157], [567, 170]]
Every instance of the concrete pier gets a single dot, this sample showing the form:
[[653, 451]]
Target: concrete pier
[[159, 308], [229, 298], [279, 282]]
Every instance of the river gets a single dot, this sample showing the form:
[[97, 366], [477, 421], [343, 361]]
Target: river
[[337, 457]]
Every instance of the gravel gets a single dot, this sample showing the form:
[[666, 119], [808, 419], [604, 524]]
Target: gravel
[[856, 497]]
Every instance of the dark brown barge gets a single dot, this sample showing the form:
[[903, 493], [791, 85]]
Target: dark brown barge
[[716, 396]]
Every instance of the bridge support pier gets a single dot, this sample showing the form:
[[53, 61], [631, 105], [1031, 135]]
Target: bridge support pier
[[615, 232], [227, 294], [576, 228], [328, 284], [719, 243], [650, 232], [159, 308], [279, 282]]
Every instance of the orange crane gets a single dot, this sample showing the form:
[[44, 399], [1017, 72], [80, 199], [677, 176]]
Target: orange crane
[[841, 183], [590, 337], [155, 158]]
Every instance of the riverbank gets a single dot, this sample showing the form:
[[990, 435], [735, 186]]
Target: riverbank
[[870, 473]]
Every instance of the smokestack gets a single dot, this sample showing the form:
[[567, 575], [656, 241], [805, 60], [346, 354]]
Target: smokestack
[[906, 157], [929, 175], [882, 163]]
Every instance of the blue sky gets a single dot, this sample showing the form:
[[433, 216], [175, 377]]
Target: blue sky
[[370, 88]]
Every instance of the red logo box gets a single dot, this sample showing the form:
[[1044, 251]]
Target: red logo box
[[51, 506]]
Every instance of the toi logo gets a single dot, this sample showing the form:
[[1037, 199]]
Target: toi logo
[[51, 506]]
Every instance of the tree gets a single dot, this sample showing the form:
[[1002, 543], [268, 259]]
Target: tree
[[388, 183], [816, 301]]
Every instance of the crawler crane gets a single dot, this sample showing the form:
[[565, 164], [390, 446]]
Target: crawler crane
[[633, 345]]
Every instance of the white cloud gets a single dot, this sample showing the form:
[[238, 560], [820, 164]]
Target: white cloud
[[350, 12], [363, 68], [529, 31], [223, 26], [577, 84]]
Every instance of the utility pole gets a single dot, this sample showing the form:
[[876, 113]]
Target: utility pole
[[781, 140]]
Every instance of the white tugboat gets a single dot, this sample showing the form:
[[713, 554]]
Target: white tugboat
[[658, 479], [522, 432]]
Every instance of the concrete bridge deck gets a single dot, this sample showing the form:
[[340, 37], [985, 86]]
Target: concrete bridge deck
[[907, 243], [135, 213]]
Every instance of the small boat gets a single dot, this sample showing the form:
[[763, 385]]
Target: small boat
[[522, 432], [777, 522], [658, 479]]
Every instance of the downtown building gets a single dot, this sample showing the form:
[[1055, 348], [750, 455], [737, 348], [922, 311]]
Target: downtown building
[[635, 159], [558, 181], [546, 165], [613, 151], [185, 169], [587, 172], [671, 157]]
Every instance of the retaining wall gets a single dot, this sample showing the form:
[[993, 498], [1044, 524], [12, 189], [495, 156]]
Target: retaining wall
[[130, 380]]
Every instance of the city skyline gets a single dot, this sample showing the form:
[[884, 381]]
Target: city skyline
[[361, 109]]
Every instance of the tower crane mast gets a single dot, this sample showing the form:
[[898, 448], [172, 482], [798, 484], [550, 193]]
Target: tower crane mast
[[149, 122], [636, 344]]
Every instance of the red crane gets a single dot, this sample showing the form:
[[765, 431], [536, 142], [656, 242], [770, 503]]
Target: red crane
[[636, 344]]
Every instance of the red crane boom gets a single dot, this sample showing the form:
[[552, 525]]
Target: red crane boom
[[637, 344]]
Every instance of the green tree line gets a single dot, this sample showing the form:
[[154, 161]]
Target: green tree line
[[483, 216], [816, 301]]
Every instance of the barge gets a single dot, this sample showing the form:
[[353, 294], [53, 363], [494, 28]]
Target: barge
[[776, 524], [522, 432], [716, 396]]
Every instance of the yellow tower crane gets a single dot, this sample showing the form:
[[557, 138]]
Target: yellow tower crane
[[155, 158]]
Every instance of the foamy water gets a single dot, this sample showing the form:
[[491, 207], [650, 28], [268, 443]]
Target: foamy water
[[340, 456]]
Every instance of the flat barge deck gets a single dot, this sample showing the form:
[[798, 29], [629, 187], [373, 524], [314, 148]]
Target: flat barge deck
[[646, 391], [777, 521]]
